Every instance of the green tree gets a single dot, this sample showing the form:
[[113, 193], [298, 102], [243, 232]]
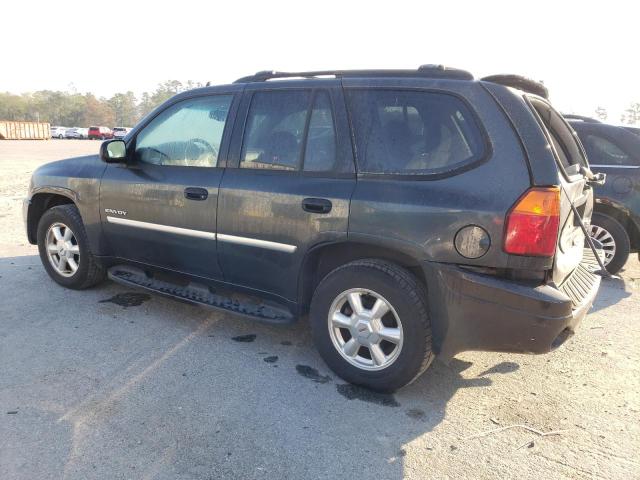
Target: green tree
[[601, 113], [74, 109], [632, 114], [125, 108]]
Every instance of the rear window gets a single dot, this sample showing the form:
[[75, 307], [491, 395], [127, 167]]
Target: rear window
[[560, 136], [413, 132]]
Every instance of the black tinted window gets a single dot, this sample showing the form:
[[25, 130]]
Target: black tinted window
[[411, 132], [320, 152], [561, 137], [602, 151], [275, 129]]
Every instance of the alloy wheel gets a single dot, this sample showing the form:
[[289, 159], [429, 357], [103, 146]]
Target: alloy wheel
[[63, 250], [365, 329], [605, 240]]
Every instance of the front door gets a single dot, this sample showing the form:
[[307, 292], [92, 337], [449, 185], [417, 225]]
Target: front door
[[160, 208], [291, 187]]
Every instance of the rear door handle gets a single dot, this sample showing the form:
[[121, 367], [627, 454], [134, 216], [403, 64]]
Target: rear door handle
[[196, 193], [316, 205]]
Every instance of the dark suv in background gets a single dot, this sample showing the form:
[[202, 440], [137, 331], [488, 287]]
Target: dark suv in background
[[409, 213], [613, 150]]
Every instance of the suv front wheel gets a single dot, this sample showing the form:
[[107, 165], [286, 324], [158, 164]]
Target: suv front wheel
[[64, 250], [370, 324]]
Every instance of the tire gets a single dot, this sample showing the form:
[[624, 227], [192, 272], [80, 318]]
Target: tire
[[373, 280], [88, 271], [609, 233]]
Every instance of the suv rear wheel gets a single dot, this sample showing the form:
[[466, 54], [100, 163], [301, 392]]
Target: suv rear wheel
[[370, 324], [608, 233], [63, 248]]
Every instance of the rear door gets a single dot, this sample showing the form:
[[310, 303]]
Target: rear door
[[574, 188], [290, 187]]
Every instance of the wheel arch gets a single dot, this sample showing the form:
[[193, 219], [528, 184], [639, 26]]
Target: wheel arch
[[621, 214], [322, 259], [40, 202]]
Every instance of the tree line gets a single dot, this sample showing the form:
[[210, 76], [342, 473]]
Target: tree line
[[76, 109], [125, 109]]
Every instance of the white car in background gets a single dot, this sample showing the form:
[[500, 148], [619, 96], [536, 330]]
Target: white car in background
[[120, 132], [77, 133], [58, 132], [71, 133]]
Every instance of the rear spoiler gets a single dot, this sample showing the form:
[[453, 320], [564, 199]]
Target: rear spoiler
[[521, 83]]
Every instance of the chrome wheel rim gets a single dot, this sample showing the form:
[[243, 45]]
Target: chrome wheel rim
[[365, 329], [605, 241], [63, 250]]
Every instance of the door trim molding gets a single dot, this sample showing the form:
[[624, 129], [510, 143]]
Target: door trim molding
[[250, 242], [254, 242], [162, 228]]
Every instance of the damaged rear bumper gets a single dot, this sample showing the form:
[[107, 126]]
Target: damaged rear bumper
[[472, 311]]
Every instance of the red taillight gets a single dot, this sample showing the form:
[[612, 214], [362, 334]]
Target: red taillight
[[532, 223]]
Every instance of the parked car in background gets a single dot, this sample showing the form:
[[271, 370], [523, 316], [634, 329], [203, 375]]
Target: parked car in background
[[83, 133], [58, 132], [100, 133], [449, 228], [120, 132], [615, 224], [72, 133]]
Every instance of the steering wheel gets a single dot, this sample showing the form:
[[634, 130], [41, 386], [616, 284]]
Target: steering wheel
[[207, 147]]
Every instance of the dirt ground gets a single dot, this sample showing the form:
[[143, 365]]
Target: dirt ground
[[113, 383]]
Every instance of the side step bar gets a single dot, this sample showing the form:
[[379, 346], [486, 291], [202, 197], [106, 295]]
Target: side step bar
[[202, 295]]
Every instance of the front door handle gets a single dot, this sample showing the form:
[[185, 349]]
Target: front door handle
[[196, 193], [316, 205]]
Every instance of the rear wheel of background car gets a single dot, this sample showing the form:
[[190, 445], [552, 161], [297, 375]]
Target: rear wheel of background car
[[370, 324], [609, 234], [64, 249], [101, 137]]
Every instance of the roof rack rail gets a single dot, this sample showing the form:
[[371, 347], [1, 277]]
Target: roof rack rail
[[424, 71], [519, 82], [584, 118]]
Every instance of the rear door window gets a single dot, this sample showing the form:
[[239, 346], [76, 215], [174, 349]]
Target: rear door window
[[413, 132], [320, 151], [274, 131]]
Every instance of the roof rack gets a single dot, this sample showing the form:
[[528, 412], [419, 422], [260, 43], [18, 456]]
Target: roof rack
[[573, 116], [519, 82], [424, 71]]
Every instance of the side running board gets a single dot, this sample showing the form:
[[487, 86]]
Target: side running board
[[201, 295]]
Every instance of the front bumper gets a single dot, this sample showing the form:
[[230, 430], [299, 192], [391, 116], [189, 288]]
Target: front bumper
[[26, 203], [471, 311]]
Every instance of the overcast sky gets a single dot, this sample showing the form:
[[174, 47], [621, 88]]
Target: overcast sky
[[586, 52]]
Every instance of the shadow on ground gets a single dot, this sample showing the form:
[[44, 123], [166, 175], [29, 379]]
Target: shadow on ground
[[124, 384]]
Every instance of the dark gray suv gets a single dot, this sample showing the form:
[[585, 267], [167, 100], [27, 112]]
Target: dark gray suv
[[614, 150], [409, 213]]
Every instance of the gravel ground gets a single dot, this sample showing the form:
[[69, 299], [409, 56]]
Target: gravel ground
[[116, 384]]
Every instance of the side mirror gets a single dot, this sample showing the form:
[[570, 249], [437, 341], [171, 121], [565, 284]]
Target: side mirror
[[113, 151]]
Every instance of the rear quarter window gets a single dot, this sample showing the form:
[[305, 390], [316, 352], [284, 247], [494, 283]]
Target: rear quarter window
[[413, 132], [561, 137]]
